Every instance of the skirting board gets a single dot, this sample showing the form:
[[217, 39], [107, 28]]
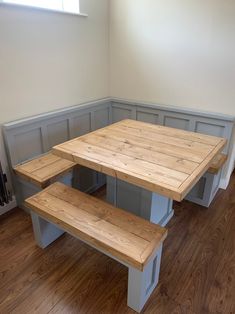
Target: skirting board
[[8, 207]]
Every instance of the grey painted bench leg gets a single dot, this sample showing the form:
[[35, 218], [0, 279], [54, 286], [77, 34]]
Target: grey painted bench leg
[[146, 204], [44, 232], [142, 284]]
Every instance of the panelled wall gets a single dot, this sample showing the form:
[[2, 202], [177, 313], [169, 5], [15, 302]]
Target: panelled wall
[[34, 136], [217, 125]]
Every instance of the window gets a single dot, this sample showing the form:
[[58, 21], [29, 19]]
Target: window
[[70, 6]]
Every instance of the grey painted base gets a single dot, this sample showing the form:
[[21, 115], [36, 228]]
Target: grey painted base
[[25, 189], [205, 190], [146, 204], [140, 283], [44, 232], [88, 180]]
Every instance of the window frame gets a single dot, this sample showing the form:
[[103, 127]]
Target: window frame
[[36, 8]]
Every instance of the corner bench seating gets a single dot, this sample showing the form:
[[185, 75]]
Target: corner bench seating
[[40, 172], [133, 241], [38, 134]]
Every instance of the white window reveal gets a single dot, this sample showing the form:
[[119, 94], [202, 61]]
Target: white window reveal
[[66, 6]]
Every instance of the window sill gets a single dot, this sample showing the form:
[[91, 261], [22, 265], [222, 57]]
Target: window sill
[[29, 7]]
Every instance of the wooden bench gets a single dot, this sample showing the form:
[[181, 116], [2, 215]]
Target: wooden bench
[[129, 239], [44, 170], [205, 190], [218, 163], [34, 175]]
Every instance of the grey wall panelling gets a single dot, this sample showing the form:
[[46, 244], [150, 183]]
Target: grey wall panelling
[[178, 120], [28, 138], [31, 137], [122, 111], [148, 115]]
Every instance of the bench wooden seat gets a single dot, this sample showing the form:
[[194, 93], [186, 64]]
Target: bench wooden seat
[[43, 170], [217, 163], [131, 240]]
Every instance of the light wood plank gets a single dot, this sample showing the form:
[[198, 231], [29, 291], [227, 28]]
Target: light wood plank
[[173, 132], [126, 175], [174, 141], [125, 236], [187, 154], [44, 169], [129, 150], [124, 163], [38, 163], [96, 207], [217, 163]]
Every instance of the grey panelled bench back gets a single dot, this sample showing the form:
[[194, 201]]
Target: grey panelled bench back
[[35, 136]]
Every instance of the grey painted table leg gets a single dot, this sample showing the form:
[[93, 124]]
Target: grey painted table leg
[[142, 284], [146, 204], [156, 208], [44, 232]]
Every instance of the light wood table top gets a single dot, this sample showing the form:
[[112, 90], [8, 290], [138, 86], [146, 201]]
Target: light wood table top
[[163, 160]]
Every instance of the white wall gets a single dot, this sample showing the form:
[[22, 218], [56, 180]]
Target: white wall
[[175, 52], [51, 60]]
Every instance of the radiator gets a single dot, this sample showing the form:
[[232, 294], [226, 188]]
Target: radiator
[[5, 195]]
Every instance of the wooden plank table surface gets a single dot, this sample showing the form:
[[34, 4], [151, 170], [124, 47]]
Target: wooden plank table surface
[[163, 160]]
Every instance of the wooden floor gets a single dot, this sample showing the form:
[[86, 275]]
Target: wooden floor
[[197, 273]]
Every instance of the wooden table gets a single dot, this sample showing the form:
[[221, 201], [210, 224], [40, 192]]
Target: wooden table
[[147, 166]]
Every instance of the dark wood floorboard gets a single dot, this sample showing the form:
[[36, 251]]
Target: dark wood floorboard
[[197, 273]]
